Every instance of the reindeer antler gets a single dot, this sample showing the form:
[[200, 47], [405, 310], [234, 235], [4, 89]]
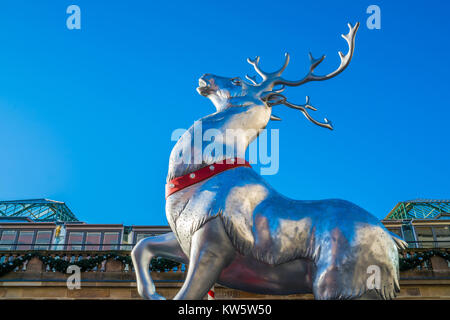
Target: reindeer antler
[[345, 60], [267, 75], [303, 107], [274, 97]]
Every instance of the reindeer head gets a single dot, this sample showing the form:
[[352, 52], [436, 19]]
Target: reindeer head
[[235, 92]]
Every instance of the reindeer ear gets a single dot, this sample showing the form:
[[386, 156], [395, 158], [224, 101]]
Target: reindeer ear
[[265, 96]]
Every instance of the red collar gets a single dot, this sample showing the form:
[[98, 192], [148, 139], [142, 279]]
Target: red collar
[[204, 173]]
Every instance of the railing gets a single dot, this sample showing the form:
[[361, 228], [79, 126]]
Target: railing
[[14, 246], [429, 244]]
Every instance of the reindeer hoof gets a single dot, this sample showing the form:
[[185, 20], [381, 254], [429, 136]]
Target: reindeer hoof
[[154, 296]]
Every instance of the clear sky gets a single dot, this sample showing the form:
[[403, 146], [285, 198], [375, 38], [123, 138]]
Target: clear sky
[[86, 115]]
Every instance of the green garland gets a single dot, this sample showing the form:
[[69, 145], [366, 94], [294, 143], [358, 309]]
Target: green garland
[[416, 259], [60, 265], [161, 264]]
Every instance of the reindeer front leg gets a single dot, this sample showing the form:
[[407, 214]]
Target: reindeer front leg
[[165, 246], [211, 251]]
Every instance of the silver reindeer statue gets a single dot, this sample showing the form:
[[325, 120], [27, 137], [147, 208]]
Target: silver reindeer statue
[[232, 228]]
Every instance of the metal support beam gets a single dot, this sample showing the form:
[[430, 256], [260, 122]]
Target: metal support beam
[[37, 210]]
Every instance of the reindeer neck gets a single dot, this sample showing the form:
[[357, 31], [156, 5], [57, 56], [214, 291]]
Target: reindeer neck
[[218, 136]]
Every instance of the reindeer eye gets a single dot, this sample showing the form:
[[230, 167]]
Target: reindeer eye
[[236, 81]]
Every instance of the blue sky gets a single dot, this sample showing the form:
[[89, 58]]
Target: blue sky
[[86, 115]]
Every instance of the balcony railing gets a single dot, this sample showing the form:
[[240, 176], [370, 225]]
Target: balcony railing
[[66, 246], [429, 244]]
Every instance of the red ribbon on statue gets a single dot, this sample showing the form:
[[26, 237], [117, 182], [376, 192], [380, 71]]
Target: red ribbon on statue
[[204, 173]]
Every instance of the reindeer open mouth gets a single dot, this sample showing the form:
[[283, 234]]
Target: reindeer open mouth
[[204, 88]]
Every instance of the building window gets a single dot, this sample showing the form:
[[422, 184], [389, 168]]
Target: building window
[[25, 240], [442, 235], [7, 239], [75, 240], [397, 231], [43, 239], [425, 237], [110, 240], [408, 235], [142, 235], [93, 240]]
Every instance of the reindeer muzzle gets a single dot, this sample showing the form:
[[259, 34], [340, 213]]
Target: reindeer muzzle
[[203, 88]]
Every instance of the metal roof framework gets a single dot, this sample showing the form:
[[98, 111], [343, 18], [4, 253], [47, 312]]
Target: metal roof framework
[[420, 209], [39, 210]]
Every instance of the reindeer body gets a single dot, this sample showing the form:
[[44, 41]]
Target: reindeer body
[[235, 229], [329, 244], [283, 246]]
